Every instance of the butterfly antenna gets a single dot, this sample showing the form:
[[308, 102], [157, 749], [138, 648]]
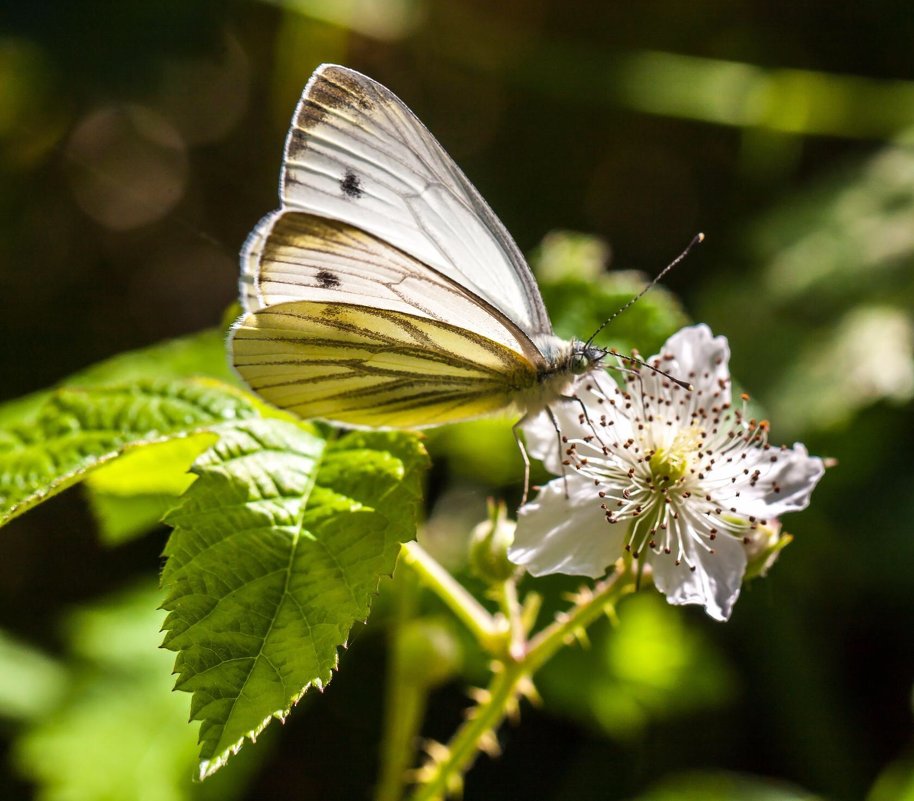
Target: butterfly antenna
[[695, 240], [653, 368]]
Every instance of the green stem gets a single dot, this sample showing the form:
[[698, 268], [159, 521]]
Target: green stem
[[587, 610], [489, 632], [511, 608], [404, 704], [442, 775]]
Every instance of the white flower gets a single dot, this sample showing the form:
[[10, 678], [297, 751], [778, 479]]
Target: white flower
[[677, 477]]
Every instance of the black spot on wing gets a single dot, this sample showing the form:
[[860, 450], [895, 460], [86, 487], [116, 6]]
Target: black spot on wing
[[351, 185], [327, 280]]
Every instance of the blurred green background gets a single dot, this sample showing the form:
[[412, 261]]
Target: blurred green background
[[140, 142]]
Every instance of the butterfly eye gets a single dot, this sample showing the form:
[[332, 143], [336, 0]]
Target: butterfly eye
[[580, 363], [585, 358]]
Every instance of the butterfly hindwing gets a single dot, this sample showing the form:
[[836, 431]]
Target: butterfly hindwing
[[365, 366], [297, 256], [357, 154]]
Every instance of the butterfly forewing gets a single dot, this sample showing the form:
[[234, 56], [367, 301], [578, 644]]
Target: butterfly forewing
[[373, 367], [356, 153]]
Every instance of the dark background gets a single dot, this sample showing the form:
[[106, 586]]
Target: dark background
[[140, 142]]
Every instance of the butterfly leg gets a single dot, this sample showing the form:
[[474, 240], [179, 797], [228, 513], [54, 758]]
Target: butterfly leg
[[526, 457], [515, 429], [558, 433], [584, 417], [560, 441]]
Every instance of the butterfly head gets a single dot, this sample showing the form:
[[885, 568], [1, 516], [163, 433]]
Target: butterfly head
[[564, 358]]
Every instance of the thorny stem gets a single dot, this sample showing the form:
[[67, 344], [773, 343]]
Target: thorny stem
[[511, 608], [590, 606], [442, 776], [512, 673]]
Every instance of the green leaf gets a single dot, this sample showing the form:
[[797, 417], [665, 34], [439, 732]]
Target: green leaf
[[78, 430], [277, 550], [130, 495], [33, 684], [201, 354], [722, 786], [113, 730], [122, 518]]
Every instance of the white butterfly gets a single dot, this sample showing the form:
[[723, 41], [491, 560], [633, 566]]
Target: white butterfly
[[385, 292]]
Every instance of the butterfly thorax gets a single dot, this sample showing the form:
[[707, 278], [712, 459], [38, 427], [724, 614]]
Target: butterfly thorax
[[563, 362]]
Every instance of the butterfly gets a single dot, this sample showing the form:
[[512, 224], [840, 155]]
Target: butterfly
[[384, 292]]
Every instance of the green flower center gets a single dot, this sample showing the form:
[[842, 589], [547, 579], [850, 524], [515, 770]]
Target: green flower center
[[670, 465]]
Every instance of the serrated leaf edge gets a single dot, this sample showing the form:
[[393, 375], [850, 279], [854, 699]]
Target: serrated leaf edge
[[73, 477], [208, 767]]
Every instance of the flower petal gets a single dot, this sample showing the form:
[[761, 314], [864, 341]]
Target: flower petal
[[715, 582], [569, 535], [698, 354], [618, 438], [542, 439], [783, 486], [695, 355]]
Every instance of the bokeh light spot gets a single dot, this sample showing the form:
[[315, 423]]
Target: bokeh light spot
[[127, 166]]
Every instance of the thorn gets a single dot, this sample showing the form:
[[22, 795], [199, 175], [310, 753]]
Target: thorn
[[455, 785], [512, 710], [437, 752], [479, 695], [488, 744], [580, 634], [528, 690]]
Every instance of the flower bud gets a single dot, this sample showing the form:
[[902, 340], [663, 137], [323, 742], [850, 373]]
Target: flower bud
[[763, 545], [489, 546], [428, 651]]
